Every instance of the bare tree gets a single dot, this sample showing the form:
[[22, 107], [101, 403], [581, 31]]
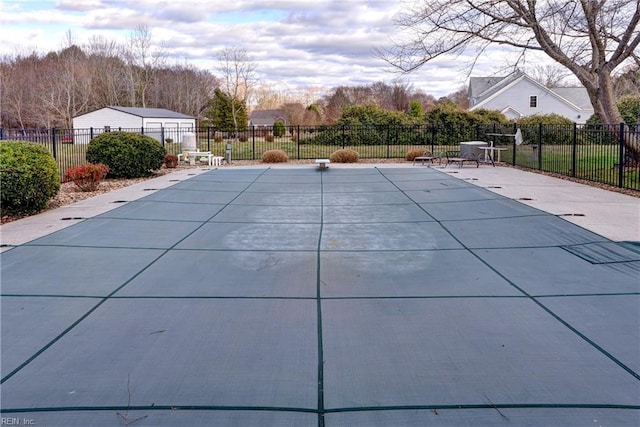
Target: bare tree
[[19, 79], [268, 97], [550, 75], [591, 38], [68, 93], [143, 62], [182, 88], [295, 113], [427, 101], [238, 78], [460, 98], [108, 72]]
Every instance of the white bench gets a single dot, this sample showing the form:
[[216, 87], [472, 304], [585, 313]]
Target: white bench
[[192, 156], [323, 163]]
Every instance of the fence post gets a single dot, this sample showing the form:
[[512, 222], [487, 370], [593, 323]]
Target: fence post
[[298, 141], [253, 142], [621, 157], [574, 151], [54, 146], [388, 141], [90, 133], [513, 160], [433, 139], [539, 145], [162, 135], [1, 134]]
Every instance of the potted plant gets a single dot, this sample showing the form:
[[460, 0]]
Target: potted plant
[[171, 160]]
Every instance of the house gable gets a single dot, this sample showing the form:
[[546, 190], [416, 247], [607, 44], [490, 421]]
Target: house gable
[[267, 117], [511, 113], [520, 93]]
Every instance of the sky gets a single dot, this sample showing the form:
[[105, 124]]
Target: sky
[[295, 44]]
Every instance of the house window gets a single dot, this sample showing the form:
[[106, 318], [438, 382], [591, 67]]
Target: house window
[[533, 101]]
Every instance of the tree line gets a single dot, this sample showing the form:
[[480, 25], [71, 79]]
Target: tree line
[[47, 90]]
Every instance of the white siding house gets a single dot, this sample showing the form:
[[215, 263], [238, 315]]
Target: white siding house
[[155, 122], [518, 95]]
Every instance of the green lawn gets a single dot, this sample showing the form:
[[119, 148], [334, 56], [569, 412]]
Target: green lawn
[[593, 162]]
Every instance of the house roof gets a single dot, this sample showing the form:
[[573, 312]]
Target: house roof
[[151, 112], [576, 95], [266, 117], [481, 88]]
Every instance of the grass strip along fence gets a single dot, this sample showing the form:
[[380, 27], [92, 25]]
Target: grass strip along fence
[[594, 153]]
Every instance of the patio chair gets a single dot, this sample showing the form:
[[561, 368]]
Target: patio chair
[[427, 156], [454, 156]]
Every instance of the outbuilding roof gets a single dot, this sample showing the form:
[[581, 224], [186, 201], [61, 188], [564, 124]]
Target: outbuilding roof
[[151, 112]]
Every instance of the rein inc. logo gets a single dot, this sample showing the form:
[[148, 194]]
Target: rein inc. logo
[[15, 421]]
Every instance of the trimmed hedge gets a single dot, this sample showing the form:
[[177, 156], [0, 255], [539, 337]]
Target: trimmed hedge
[[555, 129], [29, 177], [411, 155], [275, 156], [127, 154], [344, 155]]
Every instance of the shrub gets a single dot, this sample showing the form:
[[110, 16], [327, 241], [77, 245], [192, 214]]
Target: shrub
[[268, 137], [275, 156], [128, 155], [555, 129], [344, 155], [629, 107], [171, 160], [87, 177], [279, 129], [411, 155], [29, 177]]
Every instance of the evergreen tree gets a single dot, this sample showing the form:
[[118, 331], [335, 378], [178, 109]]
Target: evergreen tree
[[279, 129], [220, 112]]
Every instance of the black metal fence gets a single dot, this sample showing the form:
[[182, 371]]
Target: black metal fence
[[602, 153]]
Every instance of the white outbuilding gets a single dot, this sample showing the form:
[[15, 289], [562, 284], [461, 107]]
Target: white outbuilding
[[158, 123]]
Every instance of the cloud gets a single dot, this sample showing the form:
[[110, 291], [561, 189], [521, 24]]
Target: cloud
[[321, 43], [79, 5]]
